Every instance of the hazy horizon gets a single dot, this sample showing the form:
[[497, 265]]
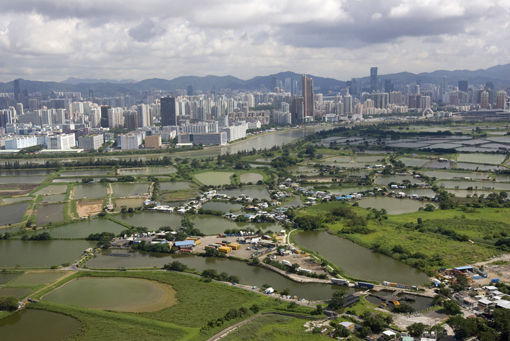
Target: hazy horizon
[[53, 40]]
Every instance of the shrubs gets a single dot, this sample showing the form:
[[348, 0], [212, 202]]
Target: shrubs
[[40, 236], [175, 266], [9, 303]]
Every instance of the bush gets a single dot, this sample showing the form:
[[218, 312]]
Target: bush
[[175, 266], [8, 303]]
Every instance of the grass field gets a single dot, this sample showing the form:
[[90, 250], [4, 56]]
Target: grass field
[[432, 244], [36, 277], [274, 327], [214, 178], [196, 303]]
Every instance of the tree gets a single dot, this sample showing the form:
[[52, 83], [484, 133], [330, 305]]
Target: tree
[[337, 300], [9, 303], [450, 308], [416, 329], [175, 266]]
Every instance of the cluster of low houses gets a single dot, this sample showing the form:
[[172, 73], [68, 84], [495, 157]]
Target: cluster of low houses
[[484, 300]]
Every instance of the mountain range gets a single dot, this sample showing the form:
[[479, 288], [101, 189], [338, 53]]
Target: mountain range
[[499, 75]]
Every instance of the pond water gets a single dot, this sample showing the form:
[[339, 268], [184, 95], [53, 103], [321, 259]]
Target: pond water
[[385, 180], [210, 225], [52, 189], [455, 175], [52, 213], [12, 214], [54, 198], [129, 189], [33, 180], [477, 166], [357, 261], [86, 172], [221, 206], [15, 200], [151, 220], [214, 178], [421, 192], [25, 172], [350, 190], [491, 159], [392, 205], [89, 191], [414, 162], [250, 275], [462, 193], [256, 192], [82, 229], [146, 170], [41, 254], [475, 185], [31, 324]]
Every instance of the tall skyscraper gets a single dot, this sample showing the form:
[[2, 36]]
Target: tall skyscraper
[[17, 91], [501, 98], [104, 116], [168, 113], [297, 110], [308, 95], [373, 78], [484, 100], [443, 86], [463, 85]]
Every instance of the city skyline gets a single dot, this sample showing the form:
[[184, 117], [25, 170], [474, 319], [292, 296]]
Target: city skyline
[[50, 40]]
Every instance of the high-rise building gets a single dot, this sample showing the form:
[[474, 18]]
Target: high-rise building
[[308, 95], [104, 116], [373, 78], [189, 90], [443, 86], [501, 99], [463, 85], [297, 110], [484, 99], [168, 113], [17, 91]]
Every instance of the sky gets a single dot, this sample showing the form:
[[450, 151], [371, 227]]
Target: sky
[[139, 39]]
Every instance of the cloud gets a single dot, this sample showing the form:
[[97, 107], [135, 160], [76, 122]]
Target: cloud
[[145, 31], [53, 39]]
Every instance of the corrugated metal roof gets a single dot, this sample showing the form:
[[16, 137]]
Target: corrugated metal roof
[[184, 243]]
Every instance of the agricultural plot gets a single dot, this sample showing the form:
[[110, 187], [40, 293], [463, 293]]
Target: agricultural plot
[[253, 178], [214, 178], [121, 190], [84, 228], [36, 277], [174, 186], [87, 208], [50, 213], [52, 189], [490, 159], [12, 214], [89, 191]]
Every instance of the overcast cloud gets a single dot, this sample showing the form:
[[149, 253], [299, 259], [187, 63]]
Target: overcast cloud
[[120, 39]]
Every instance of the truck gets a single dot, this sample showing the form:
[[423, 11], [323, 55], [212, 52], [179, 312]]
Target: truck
[[364, 285]]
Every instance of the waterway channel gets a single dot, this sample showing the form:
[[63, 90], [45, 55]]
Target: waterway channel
[[357, 261]]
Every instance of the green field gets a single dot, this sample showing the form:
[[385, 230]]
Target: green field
[[274, 327], [196, 303], [35, 278], [214, 178], [436, 243]]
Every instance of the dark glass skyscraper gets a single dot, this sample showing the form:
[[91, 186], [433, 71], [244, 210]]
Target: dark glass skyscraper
[[104, 116], [373, 78], [168, 113]]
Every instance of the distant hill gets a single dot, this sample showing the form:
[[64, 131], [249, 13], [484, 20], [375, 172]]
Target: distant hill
[[499, 75]]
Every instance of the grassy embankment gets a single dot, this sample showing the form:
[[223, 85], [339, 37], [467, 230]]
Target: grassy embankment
[[198, 303], [443, 238]]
